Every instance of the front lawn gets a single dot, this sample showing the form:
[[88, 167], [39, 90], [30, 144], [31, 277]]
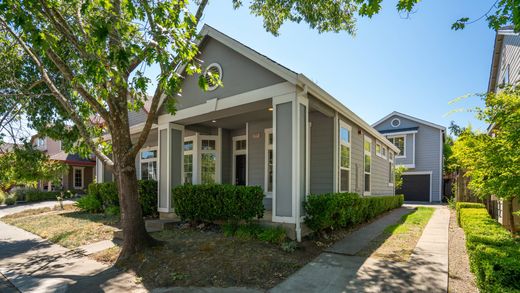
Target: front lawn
[[70, 228], [398, 241]]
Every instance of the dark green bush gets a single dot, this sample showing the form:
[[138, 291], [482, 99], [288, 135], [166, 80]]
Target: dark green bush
[[90, 203], [342, 210], [106, 193], [148, 197], [466, 205], [493, 253], [33, 194], [212, 202], [10, 199], [113, 211]]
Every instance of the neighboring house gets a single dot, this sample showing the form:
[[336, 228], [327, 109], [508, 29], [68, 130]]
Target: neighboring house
[[505, 69], [266, 126], [421, 146], [80, 172]]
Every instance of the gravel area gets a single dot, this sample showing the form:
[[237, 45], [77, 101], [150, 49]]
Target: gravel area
[[461, 280]]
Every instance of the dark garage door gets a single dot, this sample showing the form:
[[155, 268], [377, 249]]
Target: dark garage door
[[415, 187]]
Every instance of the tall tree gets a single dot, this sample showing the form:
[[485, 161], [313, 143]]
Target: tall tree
[[88, 59], [491, 161]]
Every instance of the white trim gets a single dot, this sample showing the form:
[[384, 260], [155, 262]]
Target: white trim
[[216, 152], [407, 166], [400, 132], [413, 149], [335, 181], [441, 163], [403, 155], [423, 173], [221, 74], [239, 152], [398, 122], [343, 124], [385, 155], [193, 155], [391, 176], [369, 153], [380, 154], [268, 147], [74, 168], [395, 113]]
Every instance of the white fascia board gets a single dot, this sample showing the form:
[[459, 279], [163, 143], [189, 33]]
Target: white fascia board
[[409, 118], [400, 133], [342, 109]]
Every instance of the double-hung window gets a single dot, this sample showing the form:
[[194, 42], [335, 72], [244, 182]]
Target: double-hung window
[[367, 147], [400, 143], [391, 170], [78, 177], [345, 132], [188, 161], [149, 164], [378, 149]]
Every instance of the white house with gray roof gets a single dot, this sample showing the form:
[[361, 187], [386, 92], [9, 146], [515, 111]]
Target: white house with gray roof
[[267, 126], [421, 146]]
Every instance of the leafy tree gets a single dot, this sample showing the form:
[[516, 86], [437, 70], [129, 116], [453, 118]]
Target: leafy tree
[[88, 60], [491, 160], [25, 166], [398, 176]]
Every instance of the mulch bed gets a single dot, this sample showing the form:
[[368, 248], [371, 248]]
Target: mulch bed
[[461, 280]]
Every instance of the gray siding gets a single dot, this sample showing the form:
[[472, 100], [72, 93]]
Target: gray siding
[[322, 153], [510, 55], [256, 153], [226, 161], [428, 150], [240, 75]]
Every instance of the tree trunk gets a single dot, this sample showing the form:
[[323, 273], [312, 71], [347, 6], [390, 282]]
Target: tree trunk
[[135, 237], [512, 217]]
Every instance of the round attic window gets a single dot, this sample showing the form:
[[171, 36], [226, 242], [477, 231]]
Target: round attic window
[[213, 70], [395, 122]]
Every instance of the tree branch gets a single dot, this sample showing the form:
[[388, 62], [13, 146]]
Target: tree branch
[[59, 96]]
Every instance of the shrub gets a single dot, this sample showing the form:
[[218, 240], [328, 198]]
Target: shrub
[[212, 202], [274, 235], [466, 205], [2, 197], [289, 246], [90, 203], [106, 193], [248, 232], [493, 253], [10, 199], [148, 197], [113, 211], [342, 210]]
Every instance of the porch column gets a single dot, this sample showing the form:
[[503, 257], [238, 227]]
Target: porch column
[[170, 163], [291, 144], [99, 171]]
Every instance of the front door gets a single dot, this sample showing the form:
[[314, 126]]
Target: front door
[[240, 170]]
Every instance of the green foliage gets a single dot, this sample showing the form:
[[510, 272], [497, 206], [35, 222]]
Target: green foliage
[[289, 246], [2, 197], [212, 202], [343, 210], [90, 204], [148, 197], [398, 176], [451, 202], [494, 255], [32, 195], [106, 193], [466, 205], [10, 199], [112, 211], [250, 231], [26, 165], [491, 161]]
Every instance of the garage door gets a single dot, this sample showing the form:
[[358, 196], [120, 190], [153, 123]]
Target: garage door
[[415, 187]]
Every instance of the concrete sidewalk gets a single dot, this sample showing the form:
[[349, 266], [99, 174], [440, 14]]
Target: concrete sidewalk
[[33, 264], [427, 271]]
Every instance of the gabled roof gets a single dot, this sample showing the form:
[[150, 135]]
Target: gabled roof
[[395, 113], [497, 52], [291, 76], [72, 159]]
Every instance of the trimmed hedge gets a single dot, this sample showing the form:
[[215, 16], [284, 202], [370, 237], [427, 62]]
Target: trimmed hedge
[[213, 202], [493, 253], [343, 210], [103, 196], [32, 195], [467, 205]]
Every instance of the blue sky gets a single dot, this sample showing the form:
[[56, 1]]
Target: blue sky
[[415, 65]]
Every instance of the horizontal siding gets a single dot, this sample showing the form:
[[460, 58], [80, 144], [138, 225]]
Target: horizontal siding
[[321, 153], [510, 55], [256, 152]]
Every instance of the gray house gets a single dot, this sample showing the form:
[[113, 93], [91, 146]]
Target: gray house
[[266, 126], [421, 151]]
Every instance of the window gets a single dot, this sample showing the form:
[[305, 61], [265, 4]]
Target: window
[[208, 161], [188, 161], [378, 149], [268, 187], [213, 71], [40, 143], [241, 145], [149, 164], [78, 177], [395, 122], [505, 79], [399, 142], [383, 152], [391, 170], [367, 164], [344, 157]]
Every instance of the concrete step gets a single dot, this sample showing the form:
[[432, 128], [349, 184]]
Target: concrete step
[[154, 225]]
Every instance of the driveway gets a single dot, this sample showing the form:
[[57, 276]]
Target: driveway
[[427, 270]]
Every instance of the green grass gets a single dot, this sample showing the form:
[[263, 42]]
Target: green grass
[[417, 219], [70, 228]]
